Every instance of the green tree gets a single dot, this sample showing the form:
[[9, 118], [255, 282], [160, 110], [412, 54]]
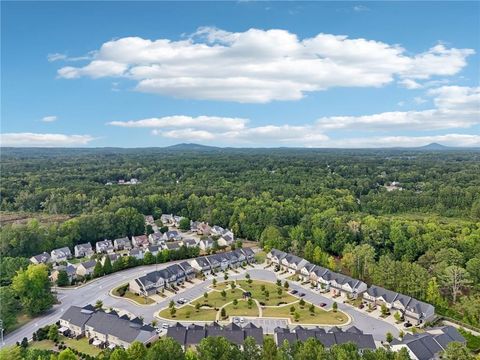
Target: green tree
[[223, 313], [214, 282], [32, 286], [62, 278], [457, 351], [389, 337], [309, 251], [67, 354], [148, 258], [217, 348], [165, 349], [9, 307], [296, 316], [250, 302], [173, 311], [311, 309], [250, 349], [184, 224], [107, 266], [119, 354], [53, 333], [279, 292], [473, 268], [98, 270], [136, 351], [235, 303], [269, 349], [98, 304], [334, 306], [197, 307], [433, 292], [301, 303], [454, 278], [224, 294]]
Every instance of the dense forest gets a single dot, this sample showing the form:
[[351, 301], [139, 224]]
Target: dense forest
[[334, 207]]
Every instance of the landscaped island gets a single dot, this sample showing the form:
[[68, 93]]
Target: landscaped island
[[252, 298]]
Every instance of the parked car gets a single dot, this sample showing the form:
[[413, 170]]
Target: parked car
[[361, 306], [276, 268], [164, 326], [323, 304], [407, 324], [301, 294], [242, 320], [293, 292], [182, 301], [236, 320]]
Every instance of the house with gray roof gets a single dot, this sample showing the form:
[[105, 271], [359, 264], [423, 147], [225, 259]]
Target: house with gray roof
[[292, 263], [172, 246], [122, 243], [62, 254], [74, 319], [206, 244], [86, 268], [166, 219], [137, 253], [430, 344], [188, 270], [345, 285], [140, 241], [306, 271], [43, 258], [412, 309], [154, 281], [201, 264], [192, 335], [334, 336], [189, 243], [276, 256], [172, 235], [69, 269], [104, 246], [83, 250], [249, 254], [155, 238]]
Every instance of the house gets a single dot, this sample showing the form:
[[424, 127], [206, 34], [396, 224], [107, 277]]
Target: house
[[241, 258], [192, 335], [172, 235], [86, 268], [111, 329], [194, 225], [334, 336], [225, 240], [154, 249], [206, 244], [75, 318], [249, 254], [172, 246], [166, 219], [122, 243], [140, 241], [306, 271], [176, 220], [43, 258], [62, 254], [189, 243], [201, 264], [275, 256], [430, 344], [320, 276], [217, 230], [148, 284], [137, 253], [112, 257], [203, 229], [215, 262], [83, 250], [232, 257], [69, 269], [155, 238], [188, 270], [345, 285], [220, 259], [412, 309], [149, 220], [104, 247], [292, 263]]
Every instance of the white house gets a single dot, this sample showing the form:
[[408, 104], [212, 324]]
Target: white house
[[62, 254], [104, 246], [83, 250]]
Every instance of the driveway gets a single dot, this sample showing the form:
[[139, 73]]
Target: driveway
[[99, 290]]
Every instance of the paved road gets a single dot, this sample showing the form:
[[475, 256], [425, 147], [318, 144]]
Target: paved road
[[99, 290]]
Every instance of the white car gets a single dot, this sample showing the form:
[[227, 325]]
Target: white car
[[236, 320], [164, 326], [242, 320]]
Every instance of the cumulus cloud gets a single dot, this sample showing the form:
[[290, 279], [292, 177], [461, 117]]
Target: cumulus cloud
[[182, 121], [456, 107], [50, 118], [46, 140], [259, 66]]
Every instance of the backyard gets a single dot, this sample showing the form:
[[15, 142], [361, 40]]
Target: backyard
[[81, 345]]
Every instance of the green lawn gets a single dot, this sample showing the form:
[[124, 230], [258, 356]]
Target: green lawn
[[242, 309], [260, 257], [188, 312], [138, 299], [221, 285], [274, 299], [80, 345], [215, 298], [320, 316], [473, 342]]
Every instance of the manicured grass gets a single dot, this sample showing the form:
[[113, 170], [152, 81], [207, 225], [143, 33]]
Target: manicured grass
[[274, 299], [224, 285], [204, 314], [138, 299], [81, 345], [43, 345], [319, 317], [260, 257], [215, 298], [473, 342], [242, 309]]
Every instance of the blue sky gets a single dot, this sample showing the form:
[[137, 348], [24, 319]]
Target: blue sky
[[245, 74]]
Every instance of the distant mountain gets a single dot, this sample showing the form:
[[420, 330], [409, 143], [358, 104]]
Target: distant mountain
[[190, 147], [434, 147]]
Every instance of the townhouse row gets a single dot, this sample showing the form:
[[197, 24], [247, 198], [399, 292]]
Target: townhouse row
[[177, 274], [339, 284], [105, 329]]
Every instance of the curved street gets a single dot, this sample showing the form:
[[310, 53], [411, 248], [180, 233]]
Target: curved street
[[99, 289]]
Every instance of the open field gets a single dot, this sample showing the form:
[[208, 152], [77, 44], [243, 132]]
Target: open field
[[242, 309], [319, 317], [273, 298]]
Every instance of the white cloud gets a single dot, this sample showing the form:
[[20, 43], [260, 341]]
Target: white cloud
[[64, 57], [46, 140], [419, 100], [360, 8], [181, 121], [50, 118], [259, 66], [456, 107], [410, 84]]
